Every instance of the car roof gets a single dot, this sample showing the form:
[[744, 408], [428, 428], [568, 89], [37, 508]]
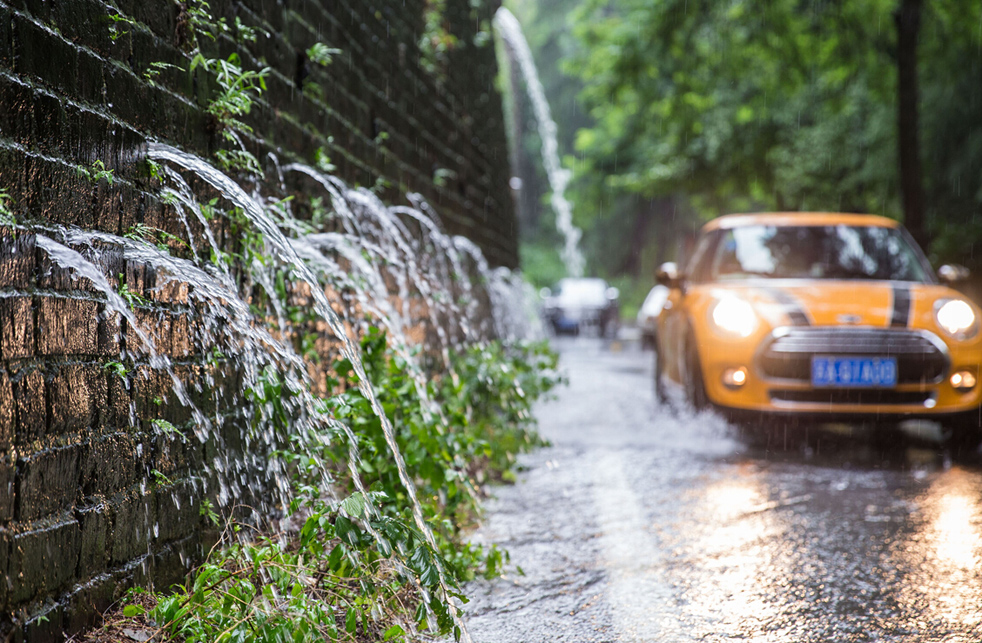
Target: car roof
[[799, 219]]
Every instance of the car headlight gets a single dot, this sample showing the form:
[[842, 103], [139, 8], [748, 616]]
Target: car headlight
[[734, 316], [957, 318]]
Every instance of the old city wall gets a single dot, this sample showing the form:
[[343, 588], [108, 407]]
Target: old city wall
[[81, 518]]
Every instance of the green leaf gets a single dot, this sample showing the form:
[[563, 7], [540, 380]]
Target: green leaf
[[133, 610], [355, 505]]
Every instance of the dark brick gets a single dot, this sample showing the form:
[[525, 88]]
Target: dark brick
[[8, 412], [16, 111], [5, 538], [68, 326], [112, 463], [42, 55], [56, 192], [54, 276], [16, 260], [47, 482], [172, 563], [170, 333], [16, 327], [133, 522], [95, 538], [46, 626], [177, 515], [6, 39], [110, 332], [84, 22], [174, 454], [44, 560], [76, 396], [90, 82], [84, 608], [118, 403], [151, 386], [84, 132], [8, 470], [29, 396], [48, 121]]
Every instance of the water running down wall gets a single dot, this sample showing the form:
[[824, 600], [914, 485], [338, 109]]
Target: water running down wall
[[107, 340]]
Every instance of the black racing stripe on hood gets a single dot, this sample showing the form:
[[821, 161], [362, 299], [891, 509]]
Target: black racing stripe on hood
[[793, 309], [902, 299]]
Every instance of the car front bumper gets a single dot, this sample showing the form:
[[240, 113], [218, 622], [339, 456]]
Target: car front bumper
[[778, 373]]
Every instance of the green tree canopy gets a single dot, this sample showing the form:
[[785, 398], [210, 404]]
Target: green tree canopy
[[701, 107]]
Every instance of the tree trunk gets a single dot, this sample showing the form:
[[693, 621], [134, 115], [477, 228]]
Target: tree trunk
[[908, 17]]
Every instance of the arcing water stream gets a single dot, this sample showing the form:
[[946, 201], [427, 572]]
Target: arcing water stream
[[510, 29], [389, 266]]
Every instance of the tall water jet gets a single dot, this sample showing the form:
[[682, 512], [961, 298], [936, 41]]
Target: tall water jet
[[509, 28]]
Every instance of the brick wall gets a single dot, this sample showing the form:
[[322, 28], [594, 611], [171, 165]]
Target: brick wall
[[80, 517]]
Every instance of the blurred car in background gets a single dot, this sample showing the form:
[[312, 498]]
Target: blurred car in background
[[577, 303], [648, 315], [826, 317]]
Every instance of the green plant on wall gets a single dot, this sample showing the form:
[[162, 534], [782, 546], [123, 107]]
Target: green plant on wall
[[7, 217], [321, 54], [95, 172], [117, 26], [238, 87], [156, 68], [154, 237]]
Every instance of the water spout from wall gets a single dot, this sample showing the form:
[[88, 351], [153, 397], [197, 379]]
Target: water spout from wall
[[511, 31]]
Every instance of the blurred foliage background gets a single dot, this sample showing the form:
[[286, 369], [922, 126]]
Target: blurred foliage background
[[672, 112]]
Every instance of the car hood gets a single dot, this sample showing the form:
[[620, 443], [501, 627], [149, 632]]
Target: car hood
[[835, 303]]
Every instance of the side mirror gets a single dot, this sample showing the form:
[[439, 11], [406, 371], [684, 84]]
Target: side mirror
[[668, 275], [545, 293], [953, 273], [612, 293]]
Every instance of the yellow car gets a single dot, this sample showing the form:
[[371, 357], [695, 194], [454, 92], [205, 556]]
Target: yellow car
[[819, 316]]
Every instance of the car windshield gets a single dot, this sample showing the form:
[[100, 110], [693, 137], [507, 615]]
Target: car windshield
[[817, 252]]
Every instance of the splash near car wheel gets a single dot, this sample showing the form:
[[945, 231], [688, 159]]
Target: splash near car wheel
[[695, 386], [660, 396]]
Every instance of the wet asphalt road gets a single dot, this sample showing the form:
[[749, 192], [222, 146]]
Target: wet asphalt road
[[643, 525]]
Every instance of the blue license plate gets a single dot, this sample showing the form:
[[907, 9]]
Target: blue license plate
[[869, 372]]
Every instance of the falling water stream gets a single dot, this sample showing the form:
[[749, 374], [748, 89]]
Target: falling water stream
[[382, 258], [511, 30]]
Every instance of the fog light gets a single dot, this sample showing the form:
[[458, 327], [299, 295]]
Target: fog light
[[734, 377], [962, 381]]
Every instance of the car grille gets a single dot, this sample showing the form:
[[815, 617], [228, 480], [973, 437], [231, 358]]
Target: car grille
[[852, 396], [788, 356]]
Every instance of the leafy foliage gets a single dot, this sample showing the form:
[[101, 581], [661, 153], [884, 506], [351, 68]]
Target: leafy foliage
[[359, 569], [7, 217], [321, 54], [238, 87], [95, 172], [695, 108]]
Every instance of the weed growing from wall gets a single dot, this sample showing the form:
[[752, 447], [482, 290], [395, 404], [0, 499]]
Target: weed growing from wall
[[95, 172], [7, 217], [237, 87]]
